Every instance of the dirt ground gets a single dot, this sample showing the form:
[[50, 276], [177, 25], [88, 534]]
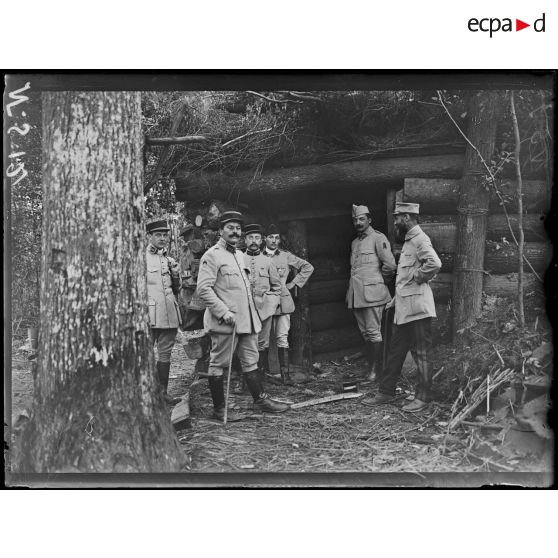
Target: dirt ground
[[342, 436]]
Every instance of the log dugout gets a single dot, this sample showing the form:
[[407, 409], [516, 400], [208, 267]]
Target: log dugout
[[440, 196], [493, 285], [442, 229]]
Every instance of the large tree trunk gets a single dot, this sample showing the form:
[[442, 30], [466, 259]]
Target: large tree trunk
[[472, 211], [244, 185], [98, 407], [301, 337]]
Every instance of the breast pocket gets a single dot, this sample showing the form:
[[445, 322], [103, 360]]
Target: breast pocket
[[231, 276], [368, 256]]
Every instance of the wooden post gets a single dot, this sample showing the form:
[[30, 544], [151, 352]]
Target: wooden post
[[391, 198], [472, 211], [301, 334]]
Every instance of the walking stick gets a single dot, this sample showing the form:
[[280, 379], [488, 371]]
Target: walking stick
[[229, 376]]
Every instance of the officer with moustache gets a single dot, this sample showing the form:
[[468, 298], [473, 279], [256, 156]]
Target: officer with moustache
[[284, 261], [414, 309], [163, 284], [266, 288], [224, 286], [372, 263]]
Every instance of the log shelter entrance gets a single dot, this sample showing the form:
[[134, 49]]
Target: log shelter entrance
[[330, 231]]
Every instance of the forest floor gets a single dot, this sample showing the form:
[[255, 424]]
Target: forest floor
[[350, 435]]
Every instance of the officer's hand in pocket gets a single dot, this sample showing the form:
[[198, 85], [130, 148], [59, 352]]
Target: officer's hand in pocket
[[228, 318]]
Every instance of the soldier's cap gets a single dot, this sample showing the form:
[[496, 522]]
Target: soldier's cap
[[156, 226], [272, 229], [359, 210], [253, 228], [229, 216], [405, 207]]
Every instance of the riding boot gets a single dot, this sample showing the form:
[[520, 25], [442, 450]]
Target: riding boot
[[285, 366], [217, 389], [374, 355], [163, 371], [262, 401], [263, 363]]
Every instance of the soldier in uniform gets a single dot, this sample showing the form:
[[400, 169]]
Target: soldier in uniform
[[284, 261], [414, 309], [372, 263], [163, 284], [266, 287], [224, 286]]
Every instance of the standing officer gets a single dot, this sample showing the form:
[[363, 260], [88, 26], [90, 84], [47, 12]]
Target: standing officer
[[414, 308], [224, 286], [163, 284], [284, 261], [371, 263], [266, 288]]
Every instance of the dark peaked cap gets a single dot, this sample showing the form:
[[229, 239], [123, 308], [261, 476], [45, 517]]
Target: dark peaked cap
[[160, 225], [229, 216], [253, 228]]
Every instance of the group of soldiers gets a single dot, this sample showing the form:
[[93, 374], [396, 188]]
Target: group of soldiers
[[245, 296]]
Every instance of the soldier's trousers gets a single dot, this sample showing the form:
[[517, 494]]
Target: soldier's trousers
[[415, 336], [164, 340], [246, 345]]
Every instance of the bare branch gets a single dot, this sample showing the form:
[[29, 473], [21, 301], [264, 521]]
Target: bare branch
[[273, 100], [245, 136], [179, 140]]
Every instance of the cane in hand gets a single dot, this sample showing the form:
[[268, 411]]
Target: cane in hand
[[229, 376]]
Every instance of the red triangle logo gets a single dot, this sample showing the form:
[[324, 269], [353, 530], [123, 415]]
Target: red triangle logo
[[519, 25]]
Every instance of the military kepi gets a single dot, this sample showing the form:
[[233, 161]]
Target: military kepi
[[359, 210], [404, 207], [158, 226], [253, 228], [229, 216]]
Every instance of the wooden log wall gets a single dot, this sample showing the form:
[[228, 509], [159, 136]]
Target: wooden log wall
[[438, 219]]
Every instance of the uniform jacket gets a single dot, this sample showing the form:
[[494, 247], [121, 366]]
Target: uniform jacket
[[418, 264], [224, 285], [162, 270], [284, 260], [371, 263], [265, 283]]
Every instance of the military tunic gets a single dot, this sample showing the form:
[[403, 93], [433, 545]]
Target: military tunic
[[414, 310], [285, 260], [164, 312], [224, 286]]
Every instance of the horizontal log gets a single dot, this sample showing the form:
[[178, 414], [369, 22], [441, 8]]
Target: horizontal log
[[330, 315], [494, 285], [176, 140], [327, 291], [505, 260], [370, 173], [497, 228], [440, 195]]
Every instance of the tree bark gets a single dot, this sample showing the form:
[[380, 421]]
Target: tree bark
[[519, 195], [472, 211], [301, 338], [440, 195], [98, 406], [325, 177]]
